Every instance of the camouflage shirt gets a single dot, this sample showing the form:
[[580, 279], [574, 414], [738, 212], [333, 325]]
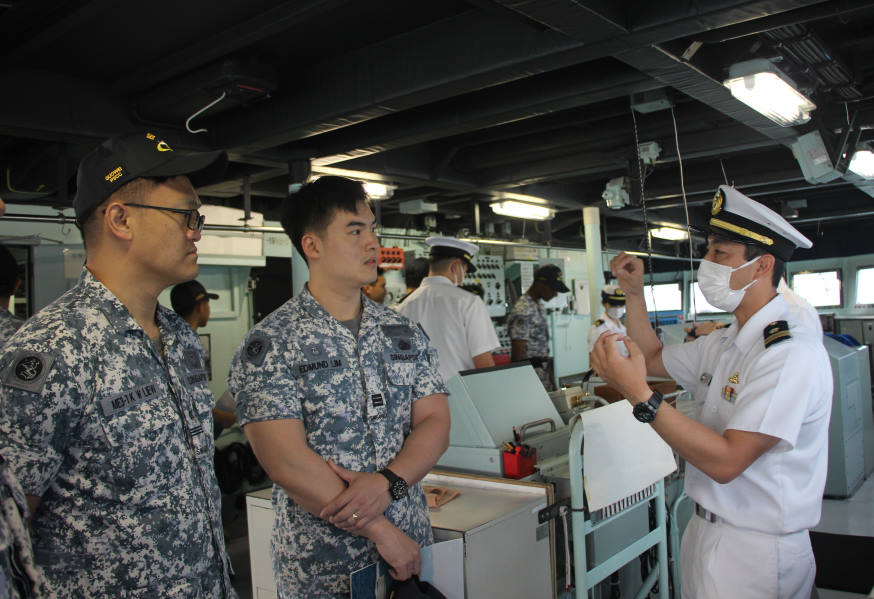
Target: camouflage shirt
[[354, 398], [527, 322], [90, 422], [19, 576], [9, 323]]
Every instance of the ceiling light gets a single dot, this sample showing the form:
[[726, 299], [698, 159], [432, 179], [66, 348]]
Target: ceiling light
[[378, 191], [862, 163], [669, 234], [521, 210], [766, 89]]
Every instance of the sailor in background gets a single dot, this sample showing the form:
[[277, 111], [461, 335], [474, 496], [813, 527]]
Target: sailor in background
[[527, 326], [457, 321], [757, 455], [613, 300]]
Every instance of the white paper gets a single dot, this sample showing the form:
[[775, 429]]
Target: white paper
[[621, 455], [443, 567]]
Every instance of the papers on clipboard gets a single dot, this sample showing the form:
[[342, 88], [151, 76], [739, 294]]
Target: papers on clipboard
[[621, 455]]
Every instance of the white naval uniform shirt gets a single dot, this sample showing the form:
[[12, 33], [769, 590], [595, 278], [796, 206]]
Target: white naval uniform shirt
[[456, 321], [784, 391], [607, 324]]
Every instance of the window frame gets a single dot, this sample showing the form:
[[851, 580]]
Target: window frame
[[855, 302], [840, 276]]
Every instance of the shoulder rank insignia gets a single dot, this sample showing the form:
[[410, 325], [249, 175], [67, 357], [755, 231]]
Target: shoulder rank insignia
[[599, 322], [776, 332]]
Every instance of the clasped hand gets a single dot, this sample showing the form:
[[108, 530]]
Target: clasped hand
[[364, 498]]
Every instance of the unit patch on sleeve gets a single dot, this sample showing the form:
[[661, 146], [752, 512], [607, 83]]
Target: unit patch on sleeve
[[256, 350], [776, 332], [29, 370]]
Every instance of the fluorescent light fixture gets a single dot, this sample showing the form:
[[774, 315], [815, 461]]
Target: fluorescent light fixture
[[378, 191], [669, 233], [374, 186], [522, 210], [766, 89], [862, 163]]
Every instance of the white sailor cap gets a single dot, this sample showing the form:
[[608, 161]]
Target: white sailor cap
[[739, 218], [450, 247], [613, 295]]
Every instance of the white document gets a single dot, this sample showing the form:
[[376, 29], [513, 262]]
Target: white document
[[443, 567], [621, 455]]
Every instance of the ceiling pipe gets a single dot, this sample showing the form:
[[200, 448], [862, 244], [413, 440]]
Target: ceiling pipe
[[798, 16]]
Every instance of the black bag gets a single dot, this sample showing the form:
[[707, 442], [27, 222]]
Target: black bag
[[413, 588]]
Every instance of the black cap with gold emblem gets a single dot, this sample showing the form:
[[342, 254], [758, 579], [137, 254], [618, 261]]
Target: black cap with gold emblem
[[736, 217], [122, 159]]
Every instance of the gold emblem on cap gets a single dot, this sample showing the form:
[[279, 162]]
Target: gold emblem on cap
[[718, 200], [163, 147], [114, 175], [150, 136]]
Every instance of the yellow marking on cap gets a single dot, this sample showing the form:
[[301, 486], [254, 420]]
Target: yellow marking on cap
[[150, 136], [715, 222], [718, 199], [114, 175], [199, 297], [163, 147]]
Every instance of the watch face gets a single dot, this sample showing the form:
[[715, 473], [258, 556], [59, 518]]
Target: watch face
[[644, 412], [398, 489]]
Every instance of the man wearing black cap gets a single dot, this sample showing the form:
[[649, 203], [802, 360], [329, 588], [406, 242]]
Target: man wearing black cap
[[190, 300], [105, 414], [757, 455], [456, 320], [526, 325]]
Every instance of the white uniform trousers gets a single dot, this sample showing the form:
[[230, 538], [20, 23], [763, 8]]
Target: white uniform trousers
[[720, 561]]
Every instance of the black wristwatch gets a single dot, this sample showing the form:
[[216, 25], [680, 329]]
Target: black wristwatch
[[646, 411], [397, 487]]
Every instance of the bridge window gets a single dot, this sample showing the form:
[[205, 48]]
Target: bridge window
[[865, 287], [822, 289]]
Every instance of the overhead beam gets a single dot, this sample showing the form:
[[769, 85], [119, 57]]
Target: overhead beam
[[212, 47], [456, 55], [514, 102]]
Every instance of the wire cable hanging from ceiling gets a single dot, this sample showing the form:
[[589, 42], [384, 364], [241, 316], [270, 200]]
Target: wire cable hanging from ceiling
[[686, 209], [645, 221]]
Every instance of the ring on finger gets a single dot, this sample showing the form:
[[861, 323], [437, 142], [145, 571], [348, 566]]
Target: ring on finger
[[355, 516]]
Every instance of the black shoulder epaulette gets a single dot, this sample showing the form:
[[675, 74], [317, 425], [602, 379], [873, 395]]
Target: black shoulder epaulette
[[599, 322], [776, 332]]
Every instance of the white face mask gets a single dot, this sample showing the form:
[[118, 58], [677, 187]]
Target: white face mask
[[714, 280], [616, 312], [457, 281]]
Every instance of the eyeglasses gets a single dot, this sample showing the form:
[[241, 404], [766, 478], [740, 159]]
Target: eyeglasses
[[194, 221]]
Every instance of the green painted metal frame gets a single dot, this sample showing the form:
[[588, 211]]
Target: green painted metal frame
[[585, 579]]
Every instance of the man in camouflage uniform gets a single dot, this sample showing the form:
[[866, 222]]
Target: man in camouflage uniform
[[342, 403], [104, 406], [9, 282], [527, 327]]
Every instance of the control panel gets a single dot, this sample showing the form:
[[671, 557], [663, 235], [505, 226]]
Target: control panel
[[490, 275]]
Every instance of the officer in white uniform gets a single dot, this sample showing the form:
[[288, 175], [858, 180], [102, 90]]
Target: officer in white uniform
[[456, 320], [757, 457], [613, 300]]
